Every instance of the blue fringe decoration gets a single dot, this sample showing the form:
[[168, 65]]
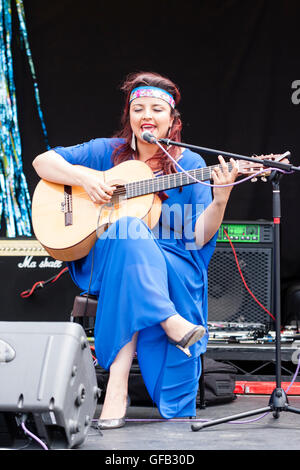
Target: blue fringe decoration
[[15, 203]]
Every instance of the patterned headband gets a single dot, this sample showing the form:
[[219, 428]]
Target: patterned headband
[[152, 92]]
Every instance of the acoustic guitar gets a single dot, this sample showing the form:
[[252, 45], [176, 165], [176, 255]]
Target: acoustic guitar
[[67, 222]]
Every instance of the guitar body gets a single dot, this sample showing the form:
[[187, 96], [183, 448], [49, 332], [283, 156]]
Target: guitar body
[[66, 221]]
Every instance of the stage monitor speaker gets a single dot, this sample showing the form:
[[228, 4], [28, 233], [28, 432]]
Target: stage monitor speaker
[[228, 299], [23, 263], [48, 383]]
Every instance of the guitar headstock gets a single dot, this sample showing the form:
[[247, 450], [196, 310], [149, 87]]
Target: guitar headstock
[[248, 168]]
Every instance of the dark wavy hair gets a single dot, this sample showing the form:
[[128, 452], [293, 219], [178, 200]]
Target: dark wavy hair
[[124, 152]]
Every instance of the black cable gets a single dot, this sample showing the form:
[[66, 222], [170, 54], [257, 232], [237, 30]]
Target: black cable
[[88, 291]]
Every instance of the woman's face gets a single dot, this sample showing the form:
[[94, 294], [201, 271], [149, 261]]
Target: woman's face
[[152, 115]]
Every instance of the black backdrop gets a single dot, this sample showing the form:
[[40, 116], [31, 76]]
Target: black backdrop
[[234, 61]]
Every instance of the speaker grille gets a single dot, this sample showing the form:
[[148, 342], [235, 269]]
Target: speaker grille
[[228, 299]]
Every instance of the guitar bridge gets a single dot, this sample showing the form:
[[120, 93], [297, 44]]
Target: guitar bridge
[[67, 206]]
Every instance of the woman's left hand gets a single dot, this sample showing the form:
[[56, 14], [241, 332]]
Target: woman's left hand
[[222, 176]]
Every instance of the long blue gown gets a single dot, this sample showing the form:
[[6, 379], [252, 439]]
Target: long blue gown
[[145, 277]]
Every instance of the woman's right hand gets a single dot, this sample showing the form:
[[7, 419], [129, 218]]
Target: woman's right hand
[[99, 192], [53, 167]]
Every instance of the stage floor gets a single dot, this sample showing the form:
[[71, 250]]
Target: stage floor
[[147, 435], [265, 433], [146, 431]]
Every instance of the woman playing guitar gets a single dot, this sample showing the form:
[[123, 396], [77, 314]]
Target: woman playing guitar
[[151, 283]]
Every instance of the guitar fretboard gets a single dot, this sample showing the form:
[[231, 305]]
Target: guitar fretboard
[[174, 180]]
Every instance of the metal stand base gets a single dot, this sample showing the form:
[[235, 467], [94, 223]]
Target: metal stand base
[[278, 402]]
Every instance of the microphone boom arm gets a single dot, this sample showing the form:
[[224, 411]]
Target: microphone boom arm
[[267, 163]]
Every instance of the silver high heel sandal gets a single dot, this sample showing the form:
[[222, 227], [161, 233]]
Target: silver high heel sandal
[[115, 422], [194, 335]]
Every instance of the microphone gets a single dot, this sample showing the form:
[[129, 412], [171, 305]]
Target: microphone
[[148, 137]]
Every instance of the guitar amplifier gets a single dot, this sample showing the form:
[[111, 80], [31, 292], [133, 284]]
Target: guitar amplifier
[[228, 298], [23, 264]]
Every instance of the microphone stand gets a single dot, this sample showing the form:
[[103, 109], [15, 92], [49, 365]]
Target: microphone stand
[[278, 401]]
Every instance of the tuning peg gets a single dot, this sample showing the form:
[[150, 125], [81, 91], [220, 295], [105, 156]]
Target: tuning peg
[[264, 179], [253, 180]]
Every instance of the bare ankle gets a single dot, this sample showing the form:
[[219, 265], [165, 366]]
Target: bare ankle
[[114, 405]]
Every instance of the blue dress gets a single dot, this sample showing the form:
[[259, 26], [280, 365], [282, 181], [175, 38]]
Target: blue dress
[[145, 277]]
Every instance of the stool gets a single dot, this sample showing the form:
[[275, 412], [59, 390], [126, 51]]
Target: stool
[[84, 312]]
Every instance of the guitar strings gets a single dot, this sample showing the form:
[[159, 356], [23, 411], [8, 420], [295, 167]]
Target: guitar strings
[[121, 190], [164, 182]]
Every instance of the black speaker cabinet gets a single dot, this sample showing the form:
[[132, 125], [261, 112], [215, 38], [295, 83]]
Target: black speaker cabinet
[[23, 263], [228, 298], [48, 383]]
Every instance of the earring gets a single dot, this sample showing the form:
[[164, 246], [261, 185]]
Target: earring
[[133, 142], [169, 132]]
